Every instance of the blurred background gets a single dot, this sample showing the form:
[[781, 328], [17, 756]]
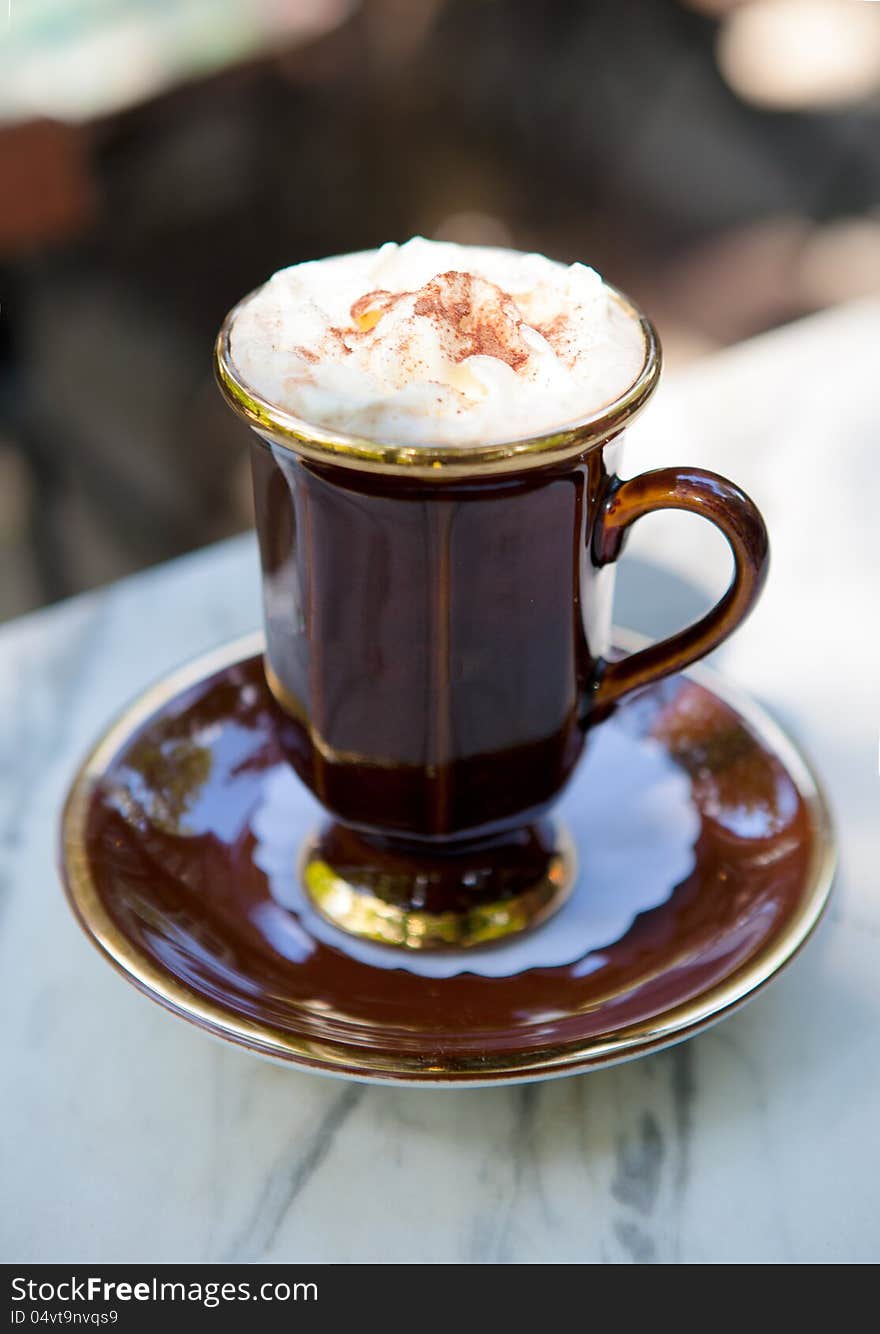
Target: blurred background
[[718, 159]]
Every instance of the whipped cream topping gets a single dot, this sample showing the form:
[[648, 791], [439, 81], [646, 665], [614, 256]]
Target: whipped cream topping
[[433, 343]]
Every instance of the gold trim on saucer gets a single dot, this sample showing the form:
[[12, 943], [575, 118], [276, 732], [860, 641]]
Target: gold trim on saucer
[[356, 910], [435, 463], [354, 1060]]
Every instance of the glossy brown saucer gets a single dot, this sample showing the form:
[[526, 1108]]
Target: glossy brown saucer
[[187, 916]]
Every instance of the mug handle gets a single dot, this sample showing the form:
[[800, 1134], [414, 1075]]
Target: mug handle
[[731, 510]]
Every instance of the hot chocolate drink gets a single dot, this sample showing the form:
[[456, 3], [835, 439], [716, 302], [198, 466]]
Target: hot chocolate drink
[[439, 513]]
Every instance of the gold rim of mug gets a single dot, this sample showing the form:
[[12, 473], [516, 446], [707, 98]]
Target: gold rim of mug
[[349, 1060], [435, 463]]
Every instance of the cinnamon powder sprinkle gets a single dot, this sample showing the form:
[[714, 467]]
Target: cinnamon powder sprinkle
[[554, 330], [476, 315], [483, 319], [339, 336], [473, 318]]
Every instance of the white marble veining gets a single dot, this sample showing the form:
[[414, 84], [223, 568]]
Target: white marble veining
[[130, 1136]]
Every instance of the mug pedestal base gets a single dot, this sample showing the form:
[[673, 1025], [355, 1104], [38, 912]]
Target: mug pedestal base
[[417, 898]]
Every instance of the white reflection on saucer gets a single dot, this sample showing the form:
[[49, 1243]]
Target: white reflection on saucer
[[634, 824]]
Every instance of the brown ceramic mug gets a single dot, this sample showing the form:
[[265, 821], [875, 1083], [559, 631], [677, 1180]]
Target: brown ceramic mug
[[437, 636]]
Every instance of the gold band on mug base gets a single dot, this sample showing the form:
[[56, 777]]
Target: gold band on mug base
[[361, 912]]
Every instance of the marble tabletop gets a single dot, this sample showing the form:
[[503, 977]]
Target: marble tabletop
[[129, 1136]]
